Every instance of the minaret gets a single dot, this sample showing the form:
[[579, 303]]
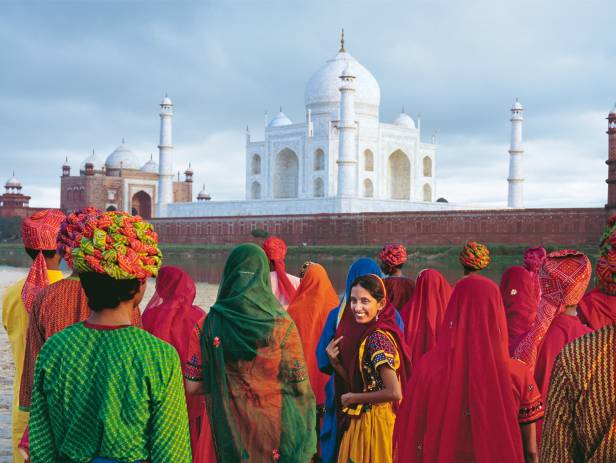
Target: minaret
[[611, 163], [515, 197], [347, 150], [165, 155]]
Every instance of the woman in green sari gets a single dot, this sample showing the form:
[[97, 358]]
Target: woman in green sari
[[248, 361]]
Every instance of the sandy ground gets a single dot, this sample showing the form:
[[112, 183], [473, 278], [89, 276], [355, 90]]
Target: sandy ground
[[206, 294]]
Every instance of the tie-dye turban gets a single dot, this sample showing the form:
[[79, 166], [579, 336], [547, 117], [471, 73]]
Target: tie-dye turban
[[39, 232], [119, 245], [393, 255], [72, 230], [475, 256], [606, 264]]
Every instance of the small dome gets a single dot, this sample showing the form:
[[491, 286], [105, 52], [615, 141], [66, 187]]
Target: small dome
[[122, 157], [166, 101], [324, 85], [93, 159], [517, 105], [279, 121], [13, 182], [151, 166], [404, 120], [203, 195], [442, 200]]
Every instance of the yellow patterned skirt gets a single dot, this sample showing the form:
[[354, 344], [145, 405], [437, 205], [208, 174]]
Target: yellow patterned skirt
[[368, 439]]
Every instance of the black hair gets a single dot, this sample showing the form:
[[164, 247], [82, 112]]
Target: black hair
[[47, 253], [371, 284], [104, 292]]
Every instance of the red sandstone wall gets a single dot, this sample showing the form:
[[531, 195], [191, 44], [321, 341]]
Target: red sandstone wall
[[22, 212], [530, 226]]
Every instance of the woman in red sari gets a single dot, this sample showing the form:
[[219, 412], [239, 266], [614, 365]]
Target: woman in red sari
[[171, 316], [424, 313], [399, 287], [467, 400], [517, 289], [564, 278]]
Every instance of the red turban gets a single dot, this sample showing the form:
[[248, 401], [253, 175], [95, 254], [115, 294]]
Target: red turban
[[564, 278], [606, 265], [72, 231], [276, 250], [533, 259], [39, 232], [393, 255], [475, 256]]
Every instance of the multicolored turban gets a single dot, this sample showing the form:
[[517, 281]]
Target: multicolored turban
[[120, 245], [606, 265], [39, 232], [393, 255], [475, 256], [276, 250], [564, 278], [72, 230]]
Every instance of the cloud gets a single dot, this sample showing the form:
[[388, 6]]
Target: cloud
[[82, 75]]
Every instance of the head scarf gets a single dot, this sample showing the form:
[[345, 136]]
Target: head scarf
[[393, 255], [533, 259], [606, 265], [314, 300], [475, 256], [354, 335], [72, 230], [517, 288], [39, 232], [276, 250], [564, 278], [423, 314], [463, 388], [119, 245], [257, 393]]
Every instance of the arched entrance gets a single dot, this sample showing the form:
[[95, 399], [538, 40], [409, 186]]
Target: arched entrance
[[141, 204], [286, 174], [255, 190], [399, 170]]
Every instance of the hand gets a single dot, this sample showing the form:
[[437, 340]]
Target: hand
[[333, 351], [347, 399]]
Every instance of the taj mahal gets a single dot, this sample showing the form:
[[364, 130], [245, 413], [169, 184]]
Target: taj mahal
[[340, 159]]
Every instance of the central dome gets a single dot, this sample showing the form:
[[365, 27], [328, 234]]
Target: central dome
[[122, 157], [323, 86]]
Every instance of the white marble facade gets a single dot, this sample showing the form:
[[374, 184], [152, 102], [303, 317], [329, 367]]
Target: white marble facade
[[299, 160]]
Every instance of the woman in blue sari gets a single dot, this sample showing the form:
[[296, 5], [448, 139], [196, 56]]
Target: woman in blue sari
[[329, 442]]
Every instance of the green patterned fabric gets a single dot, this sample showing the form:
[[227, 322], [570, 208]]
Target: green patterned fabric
[[258, 396], [116, 394]]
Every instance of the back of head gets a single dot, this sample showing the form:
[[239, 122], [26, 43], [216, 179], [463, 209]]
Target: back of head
[[105, 292]]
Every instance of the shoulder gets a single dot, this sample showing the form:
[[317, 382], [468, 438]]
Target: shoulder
[[295, 280], [590, 344], [380, 340], [13, 291]]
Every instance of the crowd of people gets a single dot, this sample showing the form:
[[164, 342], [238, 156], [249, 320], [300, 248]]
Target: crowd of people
[[282, 368]]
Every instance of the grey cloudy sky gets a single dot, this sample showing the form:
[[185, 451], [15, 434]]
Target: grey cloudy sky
[[78, 75]]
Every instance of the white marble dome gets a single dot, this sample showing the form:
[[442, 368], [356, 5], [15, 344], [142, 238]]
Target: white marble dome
[[150, 167], [93, 159], [517, 105], [324, 85], [13, 182], [404, 120], [280, 120], [122, 157]]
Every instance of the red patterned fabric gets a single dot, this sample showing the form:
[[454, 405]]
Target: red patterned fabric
[[518, 291], [564, 278], [39, 232], [276, 250], [474, 256], [171, 316], [459, 405], [423, 314], [533, 258], [72, 229], [393, 255]]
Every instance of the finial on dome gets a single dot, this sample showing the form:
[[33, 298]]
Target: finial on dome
[[403, 111], [342, 49], [122, 140], [280, 108]]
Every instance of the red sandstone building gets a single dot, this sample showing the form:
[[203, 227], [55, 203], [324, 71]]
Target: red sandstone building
[[13, 203]]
